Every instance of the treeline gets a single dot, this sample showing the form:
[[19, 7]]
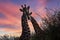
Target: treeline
[[7, 37], [51, 25]]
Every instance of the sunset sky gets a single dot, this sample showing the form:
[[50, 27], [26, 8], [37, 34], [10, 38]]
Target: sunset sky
[[10, 15]]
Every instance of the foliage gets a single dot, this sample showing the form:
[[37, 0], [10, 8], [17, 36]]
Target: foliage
[[53, 26], [6, 37]]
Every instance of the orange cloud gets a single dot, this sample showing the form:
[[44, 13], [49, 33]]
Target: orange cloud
[[43, 2], [11, 32], [13, 16], [40, 9]]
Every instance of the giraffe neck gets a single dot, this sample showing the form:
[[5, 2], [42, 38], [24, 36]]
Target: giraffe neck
[[25, 29], [36, 26], [38, 32]]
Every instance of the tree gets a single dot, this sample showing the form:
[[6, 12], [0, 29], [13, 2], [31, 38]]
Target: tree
[[53, 26]]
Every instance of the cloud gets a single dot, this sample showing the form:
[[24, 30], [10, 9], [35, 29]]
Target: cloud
[[11, 17], [8, 26], [10, 30], [43, 2], [2, 16], [11, 9], [40, 8]]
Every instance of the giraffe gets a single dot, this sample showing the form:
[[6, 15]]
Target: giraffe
[[33, 21], [25, 27], [27, 16], [39, 32]]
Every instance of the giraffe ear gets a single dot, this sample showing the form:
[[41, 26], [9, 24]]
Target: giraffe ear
[[21, 10]]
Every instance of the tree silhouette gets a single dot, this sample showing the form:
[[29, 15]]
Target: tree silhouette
[[53, 26]]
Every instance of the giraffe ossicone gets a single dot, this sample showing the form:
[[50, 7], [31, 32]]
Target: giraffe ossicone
[[25, 10]]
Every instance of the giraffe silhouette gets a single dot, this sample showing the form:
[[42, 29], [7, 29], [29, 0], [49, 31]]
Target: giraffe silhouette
[[27, 16], [25, 27], [39, 33]]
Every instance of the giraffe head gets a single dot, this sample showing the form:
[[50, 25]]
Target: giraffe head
[[25, 10]]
